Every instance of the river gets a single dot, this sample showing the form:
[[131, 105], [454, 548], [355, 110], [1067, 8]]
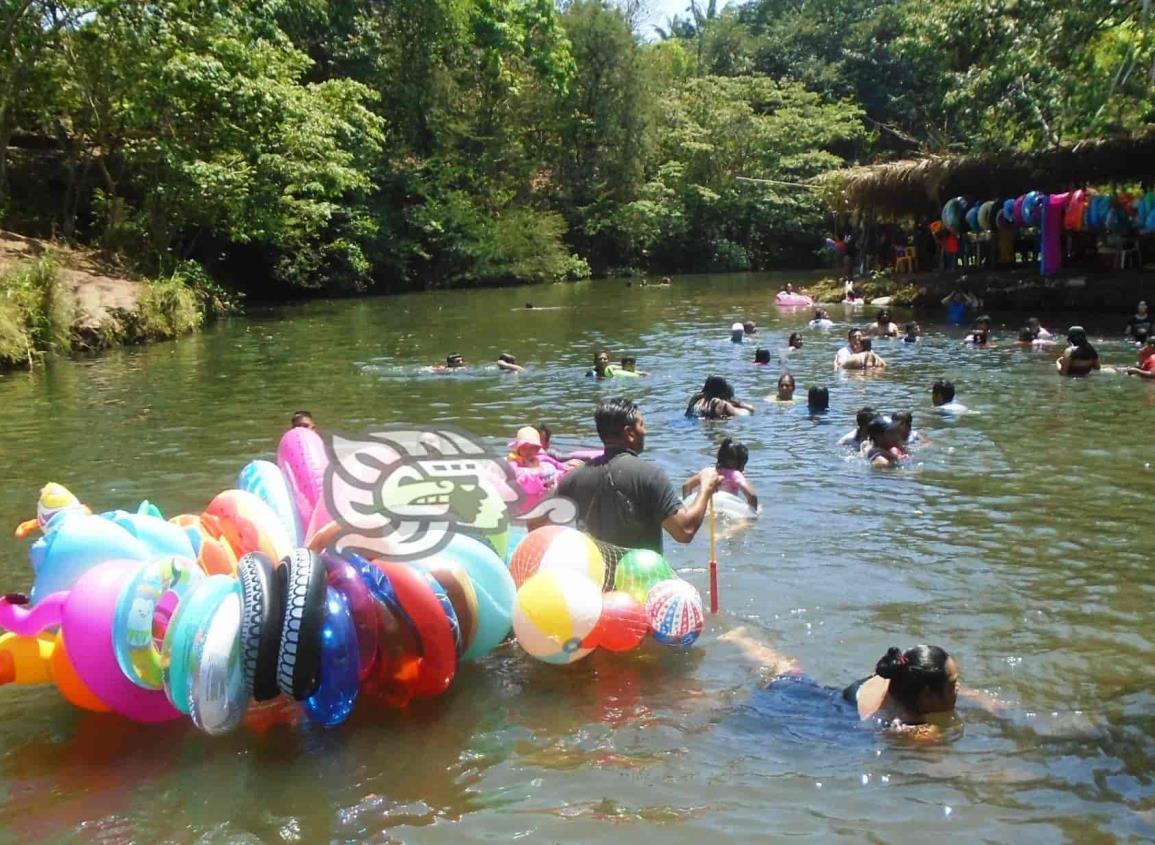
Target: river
[[1015, 540]]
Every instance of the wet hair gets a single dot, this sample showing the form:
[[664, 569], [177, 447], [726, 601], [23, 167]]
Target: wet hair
[[761, 355], [783, 378], [749, 327], [732, 455], [884, 314], [629, 359], [794, 336], [876, 429], [863, 417], [818, 312], [912, 671], [818, 398], [507, 358], [613, 415], [543, 431], [943, 388], [1077, 336], [1026, 335], [901, 418], [715, 387], [453, 356], [302, 419], [600, 353], [909, 327], [982, 318], [852, 331]]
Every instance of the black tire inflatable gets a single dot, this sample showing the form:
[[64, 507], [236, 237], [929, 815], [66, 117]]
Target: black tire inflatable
[[262, 618], [299, 667]]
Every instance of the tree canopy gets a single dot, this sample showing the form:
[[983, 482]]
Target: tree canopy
[[397, 144]]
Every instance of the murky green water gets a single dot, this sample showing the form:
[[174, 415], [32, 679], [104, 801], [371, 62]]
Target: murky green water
[[1018, 541]]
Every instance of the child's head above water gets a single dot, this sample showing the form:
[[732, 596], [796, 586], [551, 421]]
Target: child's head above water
[[761, 355], [629, 363], [818, 398], [732, 455], [942, 392], [303, 419]]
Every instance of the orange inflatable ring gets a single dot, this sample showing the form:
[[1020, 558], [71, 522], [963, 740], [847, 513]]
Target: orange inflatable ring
[[422, 606]]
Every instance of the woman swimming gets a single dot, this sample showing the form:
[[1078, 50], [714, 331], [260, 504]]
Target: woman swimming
[[785, 395], [884, 326], [1080, 358], [715, 401], [906, 690]]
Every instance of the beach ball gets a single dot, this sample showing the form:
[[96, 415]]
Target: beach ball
[[557, 547], [674, 611], [623, 625], [639, 570], [513, 538], [556, 610]]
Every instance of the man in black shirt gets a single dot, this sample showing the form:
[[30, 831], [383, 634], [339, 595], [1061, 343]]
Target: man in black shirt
[[624, 500]]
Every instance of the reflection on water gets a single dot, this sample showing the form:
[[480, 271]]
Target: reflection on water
[[1015, 539]]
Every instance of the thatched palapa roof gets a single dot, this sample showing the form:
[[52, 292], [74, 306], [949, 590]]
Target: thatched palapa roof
[[919, 186]]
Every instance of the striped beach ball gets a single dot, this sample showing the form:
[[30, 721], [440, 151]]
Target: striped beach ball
[[554, 613], [557, 547], [674, 610]]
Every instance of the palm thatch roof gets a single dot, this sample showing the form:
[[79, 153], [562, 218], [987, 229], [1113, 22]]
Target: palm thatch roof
[[920, 186]]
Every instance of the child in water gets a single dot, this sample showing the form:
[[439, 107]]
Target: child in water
[[535, 476], [629, 368], [731, 464], [913, 331], [884, 446], [303, 419], [856, 436]]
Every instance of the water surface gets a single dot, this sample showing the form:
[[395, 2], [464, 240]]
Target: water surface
[[1017, 540]]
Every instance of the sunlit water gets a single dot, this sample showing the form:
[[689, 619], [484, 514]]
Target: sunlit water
[[1018, 540]]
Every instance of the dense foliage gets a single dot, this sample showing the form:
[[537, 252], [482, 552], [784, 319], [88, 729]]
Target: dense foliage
[[394, 144]]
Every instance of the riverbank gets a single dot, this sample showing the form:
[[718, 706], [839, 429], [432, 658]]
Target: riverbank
[[1090, 290], [59, 299]]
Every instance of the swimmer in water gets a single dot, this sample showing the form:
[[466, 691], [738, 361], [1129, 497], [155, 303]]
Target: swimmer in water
[[749, 327], [602, 368], [817, 400], [912, 333], [453, 361], [793, 345], [508, 363], [715, 401], [883, 446], [857, 435], [942, 397], [1029, 340], [821, 320], [731, 466], [907, 690], [1080, 358], [1146, 368], [785, 394], [1037, 330], [884, 326], [979, 339], [761, 356], [665, 283], [303, 419], [629, 368], [903, 421], [855, 355], [737, 332]]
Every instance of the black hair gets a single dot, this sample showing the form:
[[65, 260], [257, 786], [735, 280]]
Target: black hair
[[852, 331], [715, 387], [732, 455], [613, 415], [453, 356], [943, 388], [876, 429], [629, 359], [507, 358], [785, 376], [761, 356], [818, 398], [793, 337], [1026, 335], [883, 313], [543, 431], [601, 352], [983, 318], [912, 671], [749, 327], [863, 417], [909, 327], [300, 418], [1077, 336]]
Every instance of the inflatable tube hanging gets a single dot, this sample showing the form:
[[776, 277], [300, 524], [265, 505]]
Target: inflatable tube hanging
[[299, 663], [263, 608]]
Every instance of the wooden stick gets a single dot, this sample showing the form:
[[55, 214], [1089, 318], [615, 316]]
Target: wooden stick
[[713, 563]]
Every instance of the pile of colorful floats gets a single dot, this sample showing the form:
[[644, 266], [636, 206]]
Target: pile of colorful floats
[[245, 608], [1051, 215]]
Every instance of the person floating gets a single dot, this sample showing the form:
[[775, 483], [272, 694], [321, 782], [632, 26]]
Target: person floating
[[625, 501], [942, 397], [731, 466], [855, 356], [508, 363], [1080, 358], [715, 401], [453, 361]]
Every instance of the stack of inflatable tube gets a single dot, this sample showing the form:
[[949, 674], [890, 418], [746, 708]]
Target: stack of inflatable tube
[[228, 615]]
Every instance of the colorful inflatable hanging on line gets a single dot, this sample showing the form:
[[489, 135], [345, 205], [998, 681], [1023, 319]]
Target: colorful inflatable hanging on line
[[217, 615]]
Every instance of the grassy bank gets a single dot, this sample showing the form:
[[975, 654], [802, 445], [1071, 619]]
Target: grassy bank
[[45, 309]]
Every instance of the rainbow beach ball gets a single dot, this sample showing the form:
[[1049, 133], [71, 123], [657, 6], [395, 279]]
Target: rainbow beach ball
[[554, 613], [555, 548], [674, 610]]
